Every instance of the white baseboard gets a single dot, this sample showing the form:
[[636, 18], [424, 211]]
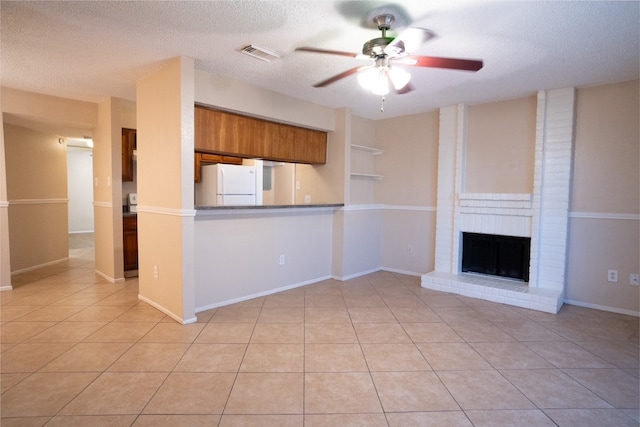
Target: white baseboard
[[602, 307], [109, 278], [36, 267], [260, 294], [167, 312], [353, 276], [405, 272]]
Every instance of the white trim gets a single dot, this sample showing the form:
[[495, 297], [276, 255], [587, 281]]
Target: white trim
[[167, 211], [520, 197], [260, 294], [353, 276], [82, 232], [410, 208], [362, 207], [261, 211], [405, 272], [4, 204], [604, 215], [6, 288], [36, 267], [167, 312], [373, 150], [37, 201], [108, 278], [602, 307], [97, 204]]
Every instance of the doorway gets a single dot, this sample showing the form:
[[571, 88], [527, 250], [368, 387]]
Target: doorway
[[80, 194]]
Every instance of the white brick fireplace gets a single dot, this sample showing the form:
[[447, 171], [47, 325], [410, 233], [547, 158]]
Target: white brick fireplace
[[541, 215]]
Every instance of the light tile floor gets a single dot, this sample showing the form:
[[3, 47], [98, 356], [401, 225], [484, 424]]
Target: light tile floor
[[378, 350]]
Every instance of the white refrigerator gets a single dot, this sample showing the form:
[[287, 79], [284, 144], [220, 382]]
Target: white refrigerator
[[226, 185]]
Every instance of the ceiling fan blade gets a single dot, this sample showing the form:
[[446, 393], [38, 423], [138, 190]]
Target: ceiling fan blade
[[407, 41], [340, 76], [406, 89], [436, 62], [325, 51]]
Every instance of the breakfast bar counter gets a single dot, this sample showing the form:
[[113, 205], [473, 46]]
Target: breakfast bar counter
[[244, 252]]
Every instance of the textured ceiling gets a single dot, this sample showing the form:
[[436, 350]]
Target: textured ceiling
[[93, 49]]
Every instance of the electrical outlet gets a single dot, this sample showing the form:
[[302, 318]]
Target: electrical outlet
[[307, 198], [612, 276], [281, 260], [634, 279], [156, 273], [410, 249]]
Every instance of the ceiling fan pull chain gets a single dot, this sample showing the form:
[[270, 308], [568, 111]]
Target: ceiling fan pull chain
[[382, 105]]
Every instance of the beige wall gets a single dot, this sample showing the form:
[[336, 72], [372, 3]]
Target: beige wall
[[5, 255], [410, 159], [409, 164], [50, 114], [166, 190], [107, 191], [500, 147], [36, 173], [604, 224], [606, 156], [234, 95]]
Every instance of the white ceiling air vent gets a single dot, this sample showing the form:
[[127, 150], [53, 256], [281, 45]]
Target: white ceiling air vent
[[260, 53]]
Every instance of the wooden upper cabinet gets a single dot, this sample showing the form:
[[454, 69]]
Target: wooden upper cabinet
[[206, 158], [128, 145], [242, 136], [310, 145]]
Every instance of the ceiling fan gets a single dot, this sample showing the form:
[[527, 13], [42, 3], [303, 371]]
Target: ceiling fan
[[387, 51]]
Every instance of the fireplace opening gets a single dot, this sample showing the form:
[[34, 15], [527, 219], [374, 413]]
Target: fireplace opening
[[503, 256]]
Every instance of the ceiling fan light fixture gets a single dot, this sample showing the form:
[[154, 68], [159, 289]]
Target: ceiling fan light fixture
[[375, 79]]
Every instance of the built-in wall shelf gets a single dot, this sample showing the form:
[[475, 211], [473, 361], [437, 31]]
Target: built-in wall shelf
[[366, 175], [372, 150], [363, 178]]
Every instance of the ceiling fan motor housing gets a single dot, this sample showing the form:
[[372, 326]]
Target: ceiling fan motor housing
[[375, 47]]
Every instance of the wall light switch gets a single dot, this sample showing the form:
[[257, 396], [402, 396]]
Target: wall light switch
[[634, 279]]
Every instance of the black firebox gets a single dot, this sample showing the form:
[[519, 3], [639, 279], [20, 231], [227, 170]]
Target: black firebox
[[503, 256]]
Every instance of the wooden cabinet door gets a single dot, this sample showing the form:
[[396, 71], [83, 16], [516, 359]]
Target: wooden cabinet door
[[294, 144], [310, 146], [249, 134], [279, 142], [128, 145], [207, 130], [130, 242]]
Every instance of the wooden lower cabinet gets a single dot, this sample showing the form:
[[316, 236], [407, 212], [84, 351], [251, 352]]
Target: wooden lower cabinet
[[130, 242]]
